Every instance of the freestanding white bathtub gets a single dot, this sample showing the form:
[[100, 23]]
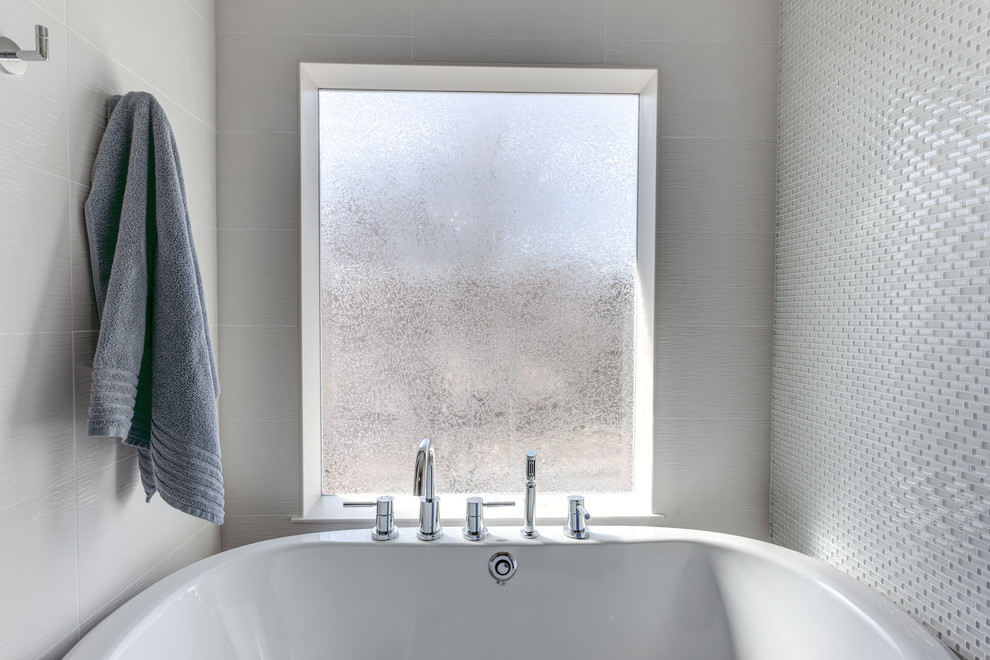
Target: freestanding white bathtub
[[627, 593]]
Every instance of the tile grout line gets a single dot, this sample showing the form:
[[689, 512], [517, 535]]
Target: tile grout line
[[72, 342], [143, 79]]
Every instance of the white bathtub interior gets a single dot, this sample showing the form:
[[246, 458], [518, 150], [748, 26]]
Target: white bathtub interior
[[633, 593]]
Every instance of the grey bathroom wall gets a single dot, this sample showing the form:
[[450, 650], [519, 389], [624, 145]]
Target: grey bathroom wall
[[881, 424], [76, 537], [718, 72]]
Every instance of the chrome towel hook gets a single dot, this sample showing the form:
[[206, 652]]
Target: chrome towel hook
[[12, 58]]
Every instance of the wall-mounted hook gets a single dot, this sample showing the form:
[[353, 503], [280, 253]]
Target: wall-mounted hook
[[12, 58]]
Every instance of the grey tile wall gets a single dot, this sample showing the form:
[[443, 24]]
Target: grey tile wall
[[881, 427], [76, 534], [718, 73]]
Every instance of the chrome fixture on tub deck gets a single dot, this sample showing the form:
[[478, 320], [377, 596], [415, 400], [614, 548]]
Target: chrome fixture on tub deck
[[384, 529], [576, 515], [529, 514], [429, 503], [474, 522]]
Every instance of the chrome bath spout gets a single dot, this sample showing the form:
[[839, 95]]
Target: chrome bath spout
[[423, 485]]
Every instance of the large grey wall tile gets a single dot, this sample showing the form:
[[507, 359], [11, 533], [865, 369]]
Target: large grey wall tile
[[33, 106], [519, 19], [54, 7], [167, 42], [258, 183], [723, 88], [205, 9], [715, 279], [709, 89], [697, 20], [752, 524], [121, 535], [711, 464], [261, 467], [84, 314], [360, 17], [260, 284], [259, 372], [509, 51], [55, 115], [203, 543], [205, 241], [710, 372], [38, 537], [241, 530], [258, 79], [60, 648], [35, 414], [93, 78], [34, 251], [718, 184]]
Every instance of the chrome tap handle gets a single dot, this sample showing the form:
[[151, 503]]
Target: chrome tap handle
[[384, 518], [474, 518], [529, 513], [576, 515]]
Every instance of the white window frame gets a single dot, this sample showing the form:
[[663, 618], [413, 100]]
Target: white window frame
[[316, 507]]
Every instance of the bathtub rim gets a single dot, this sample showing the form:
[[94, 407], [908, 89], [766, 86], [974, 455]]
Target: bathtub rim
[[118, 629]]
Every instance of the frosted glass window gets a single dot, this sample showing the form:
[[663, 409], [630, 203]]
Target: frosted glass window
[[477, 275]]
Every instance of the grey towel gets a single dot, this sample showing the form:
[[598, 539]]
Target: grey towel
[[154, 376]]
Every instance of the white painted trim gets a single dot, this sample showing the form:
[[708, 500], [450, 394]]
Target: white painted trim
[[412, 77]]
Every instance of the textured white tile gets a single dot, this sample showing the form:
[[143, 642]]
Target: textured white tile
[[33, 105], [510, 19], [34, 251], [722, 185], [711, 464], [38, 537], [709, 89], [204, 543], [260, 281], [881, 379], [35, 414], [697, 20], [259, 372], [166, 43], [258, 78], [93, 79], [715, 279], [359, 17], [121, 536], [258, 180], [712, 372], [261, 467], [509, 51]]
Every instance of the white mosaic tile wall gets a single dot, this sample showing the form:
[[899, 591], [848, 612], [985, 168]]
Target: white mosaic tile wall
[[881, 395]]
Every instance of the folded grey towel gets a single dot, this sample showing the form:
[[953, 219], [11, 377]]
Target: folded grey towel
[[154, 376]]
